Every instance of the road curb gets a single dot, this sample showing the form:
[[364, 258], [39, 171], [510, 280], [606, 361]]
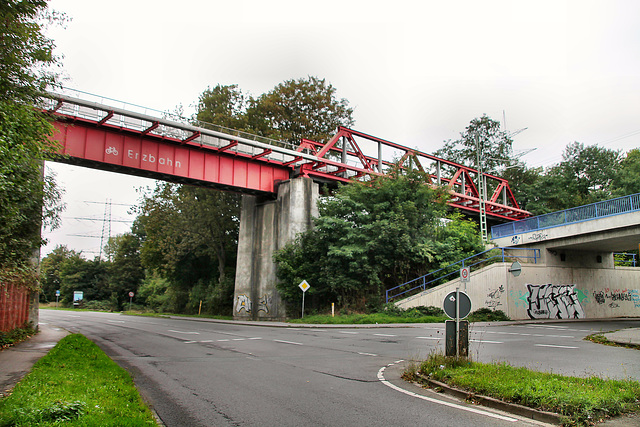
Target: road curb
[[490, 402]]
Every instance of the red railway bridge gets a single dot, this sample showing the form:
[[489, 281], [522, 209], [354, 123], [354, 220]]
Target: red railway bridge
[[282, 177]]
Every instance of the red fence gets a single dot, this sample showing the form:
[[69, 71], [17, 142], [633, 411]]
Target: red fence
[[14, 306]]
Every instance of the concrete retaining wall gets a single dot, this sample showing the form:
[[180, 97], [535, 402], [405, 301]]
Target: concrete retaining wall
[[543, 291]]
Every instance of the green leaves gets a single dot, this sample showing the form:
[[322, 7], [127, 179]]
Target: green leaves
[[370, 237]]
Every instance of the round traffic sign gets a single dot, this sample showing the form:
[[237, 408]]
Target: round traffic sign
[[449, 305], [130, 294]]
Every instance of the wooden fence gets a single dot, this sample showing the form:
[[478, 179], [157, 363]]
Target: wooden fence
[[14, 306]]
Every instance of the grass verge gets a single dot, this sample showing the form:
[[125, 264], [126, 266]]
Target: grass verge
[[75, 383], [600, 338], [581, 401], [361, 319]]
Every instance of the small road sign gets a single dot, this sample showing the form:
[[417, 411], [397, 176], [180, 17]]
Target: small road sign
[[464, 305], [130, 294], [464, 274], [304, 286]]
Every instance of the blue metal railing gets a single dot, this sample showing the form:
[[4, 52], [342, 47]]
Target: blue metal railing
[[581, 213], [624, 259], [449, 272]]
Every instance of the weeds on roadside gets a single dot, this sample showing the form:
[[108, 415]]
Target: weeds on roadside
[[581, 401], [7, 339]]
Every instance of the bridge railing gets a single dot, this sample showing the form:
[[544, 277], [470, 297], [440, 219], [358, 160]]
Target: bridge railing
[[625, 259], [590, 212], [450, 272]]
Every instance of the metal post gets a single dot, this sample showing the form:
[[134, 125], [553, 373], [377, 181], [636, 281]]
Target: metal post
[[457, 321], [303, 304]]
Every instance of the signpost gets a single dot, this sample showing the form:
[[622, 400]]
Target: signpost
[[130, 298], [57, 296], [305, 287], [457, 305]]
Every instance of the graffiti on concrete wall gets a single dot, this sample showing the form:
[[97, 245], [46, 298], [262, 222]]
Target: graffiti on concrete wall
[[243, 302], [554, 302], [493, 298], [615, 296]]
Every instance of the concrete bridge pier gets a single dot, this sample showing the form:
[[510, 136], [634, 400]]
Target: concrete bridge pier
[[266, 226]]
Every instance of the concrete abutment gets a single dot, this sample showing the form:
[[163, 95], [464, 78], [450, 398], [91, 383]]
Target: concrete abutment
[[266, 226]]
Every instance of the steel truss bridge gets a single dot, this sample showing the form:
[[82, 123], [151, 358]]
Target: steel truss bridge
[[138, 141]]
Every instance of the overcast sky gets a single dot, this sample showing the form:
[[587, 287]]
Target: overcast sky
[[416, 72]]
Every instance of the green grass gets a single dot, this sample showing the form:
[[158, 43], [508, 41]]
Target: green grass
[[360, 319], [580, 400], [600, 338], [75, 383]]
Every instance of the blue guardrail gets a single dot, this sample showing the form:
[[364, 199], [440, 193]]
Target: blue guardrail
[[590, 212]]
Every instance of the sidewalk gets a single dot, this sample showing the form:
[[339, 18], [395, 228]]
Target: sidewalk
[[625, 336], [18, 360]]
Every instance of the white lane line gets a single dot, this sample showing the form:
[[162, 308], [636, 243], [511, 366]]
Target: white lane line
[[367, 354], [223, 340], [385, 335], [486, 342], [203, 341], [255, 338], [115, 321], [439, 402], [184, 332], [190, 342], [554, 346], [430, 338], [347, 332], [238, 339], [288, 342]]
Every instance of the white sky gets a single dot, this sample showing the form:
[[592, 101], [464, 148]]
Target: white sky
[[416, 72]]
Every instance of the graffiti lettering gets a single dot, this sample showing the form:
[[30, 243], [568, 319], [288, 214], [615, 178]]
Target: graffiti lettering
[[264, 303], [614, 295], [243, 302], [493, 298], [537, 237], [554, 302]]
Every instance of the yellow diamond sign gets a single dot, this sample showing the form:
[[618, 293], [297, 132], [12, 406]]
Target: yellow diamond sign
[[304, 286]]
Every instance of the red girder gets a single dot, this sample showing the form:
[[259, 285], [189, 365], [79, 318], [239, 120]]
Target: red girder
[[227, 165]]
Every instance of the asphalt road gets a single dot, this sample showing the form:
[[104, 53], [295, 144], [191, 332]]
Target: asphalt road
[[198, 373]]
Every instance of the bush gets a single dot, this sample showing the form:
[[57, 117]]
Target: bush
[[485, 314], [7, 339]]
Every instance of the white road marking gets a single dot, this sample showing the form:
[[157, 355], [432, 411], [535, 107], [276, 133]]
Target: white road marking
[[487, 342], [115, 321], [288, 342], [206, 341], [554, 346], [347, 332], [255, 338], [190, 342], [238, 339], [367, 354], [223, 340], [385, 335], [184, 332], [439, 402], [431, 338]]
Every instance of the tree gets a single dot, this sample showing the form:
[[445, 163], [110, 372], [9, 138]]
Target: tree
[[89, 277], [125, 269], [627, 179], [50, 268], [483, 136], [189, 237], [224, 106], [370, 237], [26, 71], [302, 108]]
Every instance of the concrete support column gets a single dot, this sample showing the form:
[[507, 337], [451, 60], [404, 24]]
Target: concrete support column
[[266, 226]]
